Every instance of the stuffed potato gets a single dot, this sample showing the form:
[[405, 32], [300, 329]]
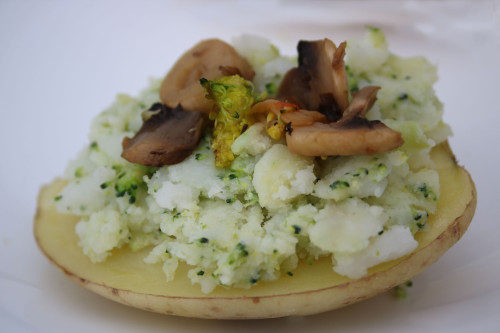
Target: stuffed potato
[[256, 193]]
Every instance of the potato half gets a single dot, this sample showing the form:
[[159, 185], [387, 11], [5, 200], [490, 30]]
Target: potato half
[[315, 288]]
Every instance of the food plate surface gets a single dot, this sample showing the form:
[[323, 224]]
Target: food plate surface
[[67, 61]]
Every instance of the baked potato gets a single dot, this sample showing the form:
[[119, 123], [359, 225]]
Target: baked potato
[[316, 288]]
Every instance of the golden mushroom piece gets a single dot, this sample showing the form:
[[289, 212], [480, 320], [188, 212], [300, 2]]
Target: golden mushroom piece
[[210, 59], [315, 288], [320, 83]]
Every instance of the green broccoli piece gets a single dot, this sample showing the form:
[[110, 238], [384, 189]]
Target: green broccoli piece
[[377, 37], [129, 179], [353, 81], [233, 96], [240, 251], [401, 290]]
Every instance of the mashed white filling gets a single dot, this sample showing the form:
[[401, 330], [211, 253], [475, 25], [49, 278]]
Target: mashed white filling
[[252, 221], [392, 244], [346, 227], [280, 176], [103, 231], [176, 196]]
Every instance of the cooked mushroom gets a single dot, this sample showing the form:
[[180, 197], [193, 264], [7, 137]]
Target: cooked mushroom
[[167, 136], [320, 83], [351, 135], [278, 115], [360, 104], [357, 137], [320, 78], [210, 59], [287, 112]]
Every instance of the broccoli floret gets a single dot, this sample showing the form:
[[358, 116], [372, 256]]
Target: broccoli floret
[[129, 179], [377, 37], [233, 96], [353, 81], [240, 252]]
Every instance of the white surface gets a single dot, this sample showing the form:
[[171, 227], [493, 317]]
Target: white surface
[[62, 62]]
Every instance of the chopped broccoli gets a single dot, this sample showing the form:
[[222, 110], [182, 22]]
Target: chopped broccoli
[[233, 97], [93, 146], [353, 81], [271, 88], [401, 290], [240, 252], [339, 184], [129, 179], [377, 37]]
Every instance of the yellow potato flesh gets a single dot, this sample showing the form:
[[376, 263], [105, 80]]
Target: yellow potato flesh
[[125, 278]]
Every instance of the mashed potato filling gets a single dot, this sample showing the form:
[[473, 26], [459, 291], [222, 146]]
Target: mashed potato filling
[[280, 177], [254, 220]]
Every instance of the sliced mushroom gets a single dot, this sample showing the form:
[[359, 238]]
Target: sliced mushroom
[[320, 83], [360, 104], [279, 116], [351, 135], [321, 73], [287, 112], [166, 137], [294, 88], [210, 59], [357, 137]]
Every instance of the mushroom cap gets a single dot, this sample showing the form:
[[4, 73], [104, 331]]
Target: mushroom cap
[[167, 137], [210, 59], [357, 137], [321, 72]]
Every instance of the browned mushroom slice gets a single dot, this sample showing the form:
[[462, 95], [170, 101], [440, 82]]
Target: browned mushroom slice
[[210, 59], [358, 137], [321, 73], [339, 77], [360, 104], [295, 88], [287, 112], [167, 137]]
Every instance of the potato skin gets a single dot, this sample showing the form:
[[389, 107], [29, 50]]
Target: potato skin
[[313, 289]]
